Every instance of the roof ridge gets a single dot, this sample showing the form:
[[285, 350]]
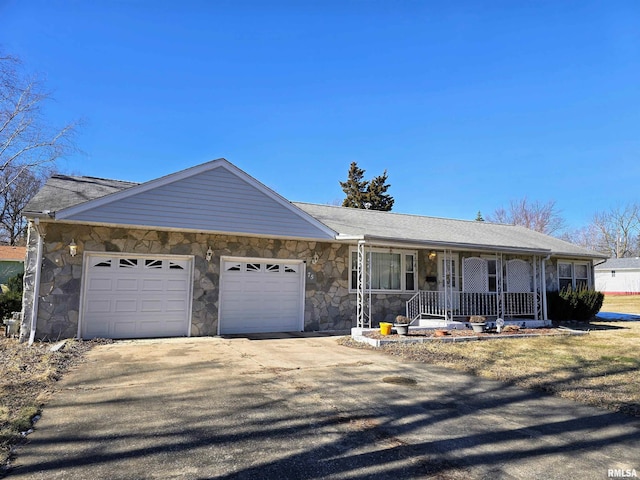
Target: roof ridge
[[62, 175], [362, 210]]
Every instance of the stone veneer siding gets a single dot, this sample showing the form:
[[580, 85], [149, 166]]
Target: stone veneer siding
[[328, 303]]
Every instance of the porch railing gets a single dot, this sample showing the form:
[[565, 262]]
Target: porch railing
[[438, 304], [423, 303], [519, 303]]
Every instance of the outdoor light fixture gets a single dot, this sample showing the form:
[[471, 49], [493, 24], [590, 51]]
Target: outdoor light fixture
[[432, 255], [315, 258], [209, 254], [73, 248]]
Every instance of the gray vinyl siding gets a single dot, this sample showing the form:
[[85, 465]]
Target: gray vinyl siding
[[215, 200]]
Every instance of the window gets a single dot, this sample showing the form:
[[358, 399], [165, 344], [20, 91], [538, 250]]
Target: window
[[581, 272], [389, 270], [409, 274], [493, 275], [573, 275]]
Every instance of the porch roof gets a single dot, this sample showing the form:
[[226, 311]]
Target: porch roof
[[433, 232]]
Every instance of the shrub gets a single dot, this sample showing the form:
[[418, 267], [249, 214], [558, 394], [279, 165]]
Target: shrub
[[11, 300], [568, 304]]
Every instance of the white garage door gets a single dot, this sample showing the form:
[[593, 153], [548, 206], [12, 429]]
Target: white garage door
[[128, 296], [258, 295]]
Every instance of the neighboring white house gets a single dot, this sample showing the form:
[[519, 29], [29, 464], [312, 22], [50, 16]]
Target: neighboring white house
[[618, 276]]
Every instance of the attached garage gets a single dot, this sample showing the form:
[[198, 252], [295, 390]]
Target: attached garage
[[136, 296], [260, 295]]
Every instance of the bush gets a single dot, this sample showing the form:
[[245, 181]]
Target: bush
[[568, 304], [11, 300]]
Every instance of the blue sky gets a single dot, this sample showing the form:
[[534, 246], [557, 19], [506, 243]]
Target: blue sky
[[467, 104]]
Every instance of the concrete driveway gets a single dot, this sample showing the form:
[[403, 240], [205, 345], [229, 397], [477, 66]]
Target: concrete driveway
[[290, 408]]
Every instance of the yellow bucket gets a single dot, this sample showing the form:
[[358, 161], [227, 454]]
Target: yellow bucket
[[385, 328]]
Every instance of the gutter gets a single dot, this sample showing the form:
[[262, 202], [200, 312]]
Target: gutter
[[403, 242]]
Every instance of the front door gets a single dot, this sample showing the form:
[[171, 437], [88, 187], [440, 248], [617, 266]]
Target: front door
[[449, 280]]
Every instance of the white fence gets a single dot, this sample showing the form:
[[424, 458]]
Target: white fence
[[441, 304]]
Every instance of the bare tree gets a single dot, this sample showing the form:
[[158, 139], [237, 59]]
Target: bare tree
[[19, 190], [27, 142], [541, 217], [618, 230], [587, 237]]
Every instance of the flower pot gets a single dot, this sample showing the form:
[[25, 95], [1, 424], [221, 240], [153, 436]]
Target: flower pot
[[402, 328], [478, 327]]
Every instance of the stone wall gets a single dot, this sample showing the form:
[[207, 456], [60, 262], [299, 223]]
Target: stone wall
[[328, 303]]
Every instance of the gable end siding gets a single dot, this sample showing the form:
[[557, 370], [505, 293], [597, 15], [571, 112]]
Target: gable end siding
[[216, 200]]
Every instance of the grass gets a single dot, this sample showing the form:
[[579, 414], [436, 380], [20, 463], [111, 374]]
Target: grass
[[27, 377], [621, 304], [599, 369]]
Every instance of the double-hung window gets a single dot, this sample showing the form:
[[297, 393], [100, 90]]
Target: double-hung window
[[388, 270], [573, 275]]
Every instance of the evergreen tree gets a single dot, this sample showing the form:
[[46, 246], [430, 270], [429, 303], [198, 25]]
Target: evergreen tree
[[479, 217], [376, 193], [367, 194], [355, 188]]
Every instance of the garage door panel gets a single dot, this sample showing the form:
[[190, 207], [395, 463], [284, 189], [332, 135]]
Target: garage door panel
[[177, 285], [152, 285], [124, 329], [136, 297], [152, 305], [126, 284], [94, 331], [104, 284], [175, 305], [99, 306], [126, 306]]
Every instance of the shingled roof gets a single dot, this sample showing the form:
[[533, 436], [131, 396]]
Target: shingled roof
[[435, 231], [620, 264], [62, 191]]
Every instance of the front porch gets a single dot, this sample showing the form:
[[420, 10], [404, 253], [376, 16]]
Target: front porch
[[452, 305], [449, 286]]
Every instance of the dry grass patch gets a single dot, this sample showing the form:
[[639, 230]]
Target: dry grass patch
[[621, 304], [600, 369], [27, 377]]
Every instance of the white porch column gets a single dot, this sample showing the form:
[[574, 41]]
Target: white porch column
[[446, 280], [500, 285], [535, 286], [363, 313], [544, 287]]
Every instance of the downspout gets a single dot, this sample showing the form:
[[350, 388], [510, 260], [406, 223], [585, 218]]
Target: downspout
[[544, 287], [36, 281]]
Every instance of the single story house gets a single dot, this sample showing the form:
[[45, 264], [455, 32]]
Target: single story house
[[210, 250], [11, 261], [618, 276]]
